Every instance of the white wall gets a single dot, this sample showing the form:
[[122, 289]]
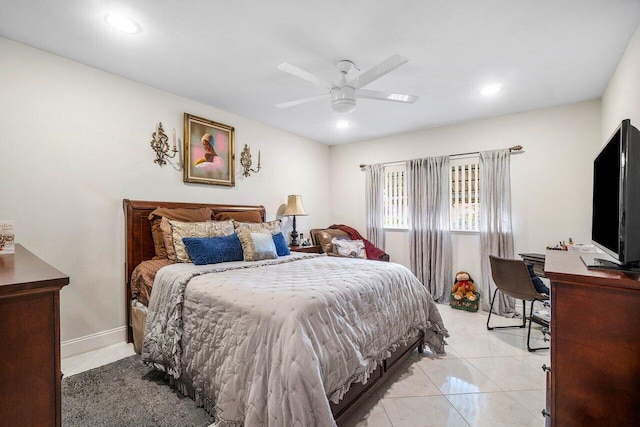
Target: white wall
[[550, 180], [621, 99], [76, 142]]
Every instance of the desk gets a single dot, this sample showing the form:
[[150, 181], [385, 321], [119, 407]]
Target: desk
[[30, 331]]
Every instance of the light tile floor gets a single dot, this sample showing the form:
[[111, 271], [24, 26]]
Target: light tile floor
[[487, 378]]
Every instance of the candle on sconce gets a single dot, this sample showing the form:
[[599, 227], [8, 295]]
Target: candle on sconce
[[158, 130], [174, 139], [258, 159]]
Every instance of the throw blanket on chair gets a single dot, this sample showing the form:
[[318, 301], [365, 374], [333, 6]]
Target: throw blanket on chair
[[373, 252]]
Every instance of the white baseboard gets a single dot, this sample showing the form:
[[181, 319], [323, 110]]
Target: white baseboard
[[91, 342]]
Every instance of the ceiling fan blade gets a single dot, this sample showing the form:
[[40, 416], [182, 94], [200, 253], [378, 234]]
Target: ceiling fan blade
[[387, 96], [301, 101], [305, 75], [386, 66]]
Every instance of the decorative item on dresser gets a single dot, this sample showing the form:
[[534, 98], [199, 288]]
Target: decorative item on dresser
[[7, 237], [245, 161], [30, 330], [594, 375], [294, 207]]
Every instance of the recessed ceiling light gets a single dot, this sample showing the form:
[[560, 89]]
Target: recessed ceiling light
[[342, 124], [490, 89], [122, 23]]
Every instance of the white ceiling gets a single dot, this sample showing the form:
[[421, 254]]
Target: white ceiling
[[225, 53]]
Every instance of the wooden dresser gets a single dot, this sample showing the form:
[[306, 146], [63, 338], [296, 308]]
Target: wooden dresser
[[594, 379], [29, 340]]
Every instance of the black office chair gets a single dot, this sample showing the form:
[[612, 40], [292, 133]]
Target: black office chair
[[512, 278]]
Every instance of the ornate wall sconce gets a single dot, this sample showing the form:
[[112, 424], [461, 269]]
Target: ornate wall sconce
[[160, 144], [245, 161]]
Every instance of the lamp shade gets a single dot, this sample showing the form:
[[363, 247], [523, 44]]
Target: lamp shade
[[294, 206]]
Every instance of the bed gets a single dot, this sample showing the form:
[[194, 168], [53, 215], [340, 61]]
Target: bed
[[272, 364]]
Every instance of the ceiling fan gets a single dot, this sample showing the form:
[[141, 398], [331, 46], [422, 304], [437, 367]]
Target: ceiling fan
[[344, 93]]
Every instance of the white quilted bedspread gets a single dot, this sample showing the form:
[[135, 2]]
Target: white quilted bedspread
[[269, 343]]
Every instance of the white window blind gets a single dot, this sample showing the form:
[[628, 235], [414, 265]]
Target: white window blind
[[465, 197], [395, 197]]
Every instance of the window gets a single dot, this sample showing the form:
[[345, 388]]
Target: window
[[465, 200], [395, 197]]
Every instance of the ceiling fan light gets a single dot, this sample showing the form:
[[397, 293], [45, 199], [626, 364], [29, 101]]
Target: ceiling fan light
[[343, 100], [343, 105]]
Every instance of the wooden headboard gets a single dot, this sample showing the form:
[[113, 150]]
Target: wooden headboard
[[139, 242]]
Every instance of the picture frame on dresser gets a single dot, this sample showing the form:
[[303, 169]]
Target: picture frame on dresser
[[209, 152], [7, 237]]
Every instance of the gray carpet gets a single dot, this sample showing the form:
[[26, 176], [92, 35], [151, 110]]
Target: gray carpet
[[127, 393]]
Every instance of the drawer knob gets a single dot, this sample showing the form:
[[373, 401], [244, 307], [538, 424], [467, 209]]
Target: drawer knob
[[546, 413], [546, 368]]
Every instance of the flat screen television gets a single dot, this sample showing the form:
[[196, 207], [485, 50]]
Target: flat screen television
[[615, 226]]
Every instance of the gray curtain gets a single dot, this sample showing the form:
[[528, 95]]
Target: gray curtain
[[374, 185], [496, 236], [429, 236]]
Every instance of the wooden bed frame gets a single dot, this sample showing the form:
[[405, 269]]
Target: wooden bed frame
[[139, 247]]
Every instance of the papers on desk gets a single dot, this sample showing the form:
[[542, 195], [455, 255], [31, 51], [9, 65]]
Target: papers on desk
[[591, 249]]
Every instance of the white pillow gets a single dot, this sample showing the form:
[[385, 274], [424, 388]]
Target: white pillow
[[263, 246], [349, 248]]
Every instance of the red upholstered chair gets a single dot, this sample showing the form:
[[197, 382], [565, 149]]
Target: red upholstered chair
[[323, 238]]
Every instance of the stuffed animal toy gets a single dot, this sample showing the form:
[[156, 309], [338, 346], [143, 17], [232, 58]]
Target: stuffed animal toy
[[463, 287]]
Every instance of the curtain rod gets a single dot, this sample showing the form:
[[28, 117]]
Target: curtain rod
[[515, 148]]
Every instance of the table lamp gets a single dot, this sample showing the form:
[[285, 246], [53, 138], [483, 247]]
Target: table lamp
[[294, 207]]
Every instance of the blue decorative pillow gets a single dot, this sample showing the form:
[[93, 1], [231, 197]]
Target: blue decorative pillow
[[263, 246], [281, 245], [213, 250]]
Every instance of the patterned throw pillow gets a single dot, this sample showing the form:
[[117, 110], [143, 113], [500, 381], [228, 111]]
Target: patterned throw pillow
[[349, 248], [178, 214], [196, 229], [272, 227], [255, 244]]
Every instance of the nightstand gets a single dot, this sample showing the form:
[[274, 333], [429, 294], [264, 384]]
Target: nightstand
[[314, 249]]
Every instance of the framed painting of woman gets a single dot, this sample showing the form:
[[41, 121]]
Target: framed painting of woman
[[209, 154]]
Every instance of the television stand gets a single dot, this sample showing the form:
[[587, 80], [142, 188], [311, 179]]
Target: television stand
[[593, 379]]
